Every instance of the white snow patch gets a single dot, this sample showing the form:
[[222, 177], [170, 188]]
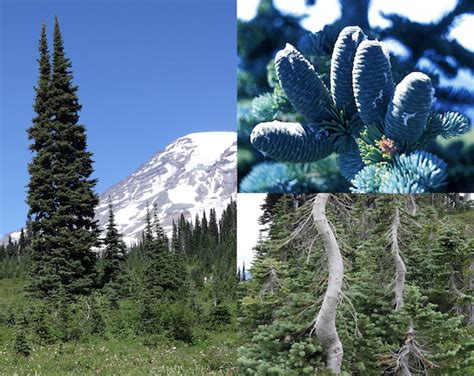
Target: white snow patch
[[184, 194], [125, 215]]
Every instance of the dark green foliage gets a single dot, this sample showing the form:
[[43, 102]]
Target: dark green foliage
[[179, 321], [60, 193], [21, 345], [111, 263], [220, 315], [283, 297], [41, 327], [114, 252]]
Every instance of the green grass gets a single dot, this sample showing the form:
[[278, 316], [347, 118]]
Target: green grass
[[212, 354], [122, 357], [11, 292]]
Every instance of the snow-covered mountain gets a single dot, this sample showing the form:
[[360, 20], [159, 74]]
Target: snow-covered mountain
[[197, 172]]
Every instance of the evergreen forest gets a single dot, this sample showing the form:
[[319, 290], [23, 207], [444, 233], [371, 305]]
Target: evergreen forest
[[360, 285], [78, 300]]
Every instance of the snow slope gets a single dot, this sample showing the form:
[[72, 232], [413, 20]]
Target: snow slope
[[197, 172]]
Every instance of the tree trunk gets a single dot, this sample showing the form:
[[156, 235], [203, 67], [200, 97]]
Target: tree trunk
[[325, 323], [400, 269]]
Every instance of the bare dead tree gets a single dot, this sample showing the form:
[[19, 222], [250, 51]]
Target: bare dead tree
[[410, 359], [271, 284], [325, 322], [400, 268], [464, 304]]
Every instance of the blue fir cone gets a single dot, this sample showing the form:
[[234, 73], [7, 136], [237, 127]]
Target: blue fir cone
[[409, 108], [302, 85], [291, 142], [372, 81], [341, 67]]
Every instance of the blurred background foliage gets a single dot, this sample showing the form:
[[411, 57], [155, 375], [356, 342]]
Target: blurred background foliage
[[428, 47]]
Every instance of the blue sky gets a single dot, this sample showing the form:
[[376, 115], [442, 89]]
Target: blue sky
[[149, 71]]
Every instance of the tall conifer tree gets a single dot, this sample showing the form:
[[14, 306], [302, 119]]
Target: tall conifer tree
[[61, 192], [41, 191]]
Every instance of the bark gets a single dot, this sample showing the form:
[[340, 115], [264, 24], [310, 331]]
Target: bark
[[400, 269], [405, 352], [411, 358], [325, 323]]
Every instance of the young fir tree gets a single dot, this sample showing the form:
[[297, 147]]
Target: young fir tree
[[21, 345], [113, 258], [175, 246], [61, 192], [213, 228]]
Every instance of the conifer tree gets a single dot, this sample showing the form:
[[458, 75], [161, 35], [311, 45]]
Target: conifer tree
[[61, 197], [163, 277], [114, 253], [21, 345], [279, 307], [213, 228], [41, 189], [175, 239]]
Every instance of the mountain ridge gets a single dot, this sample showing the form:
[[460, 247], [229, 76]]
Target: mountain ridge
[[194, 173]]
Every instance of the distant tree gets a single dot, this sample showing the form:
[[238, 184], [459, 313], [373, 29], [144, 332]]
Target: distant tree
[[213, 228], [11, 248], [175, 246], [113, 256], [163, 279]]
